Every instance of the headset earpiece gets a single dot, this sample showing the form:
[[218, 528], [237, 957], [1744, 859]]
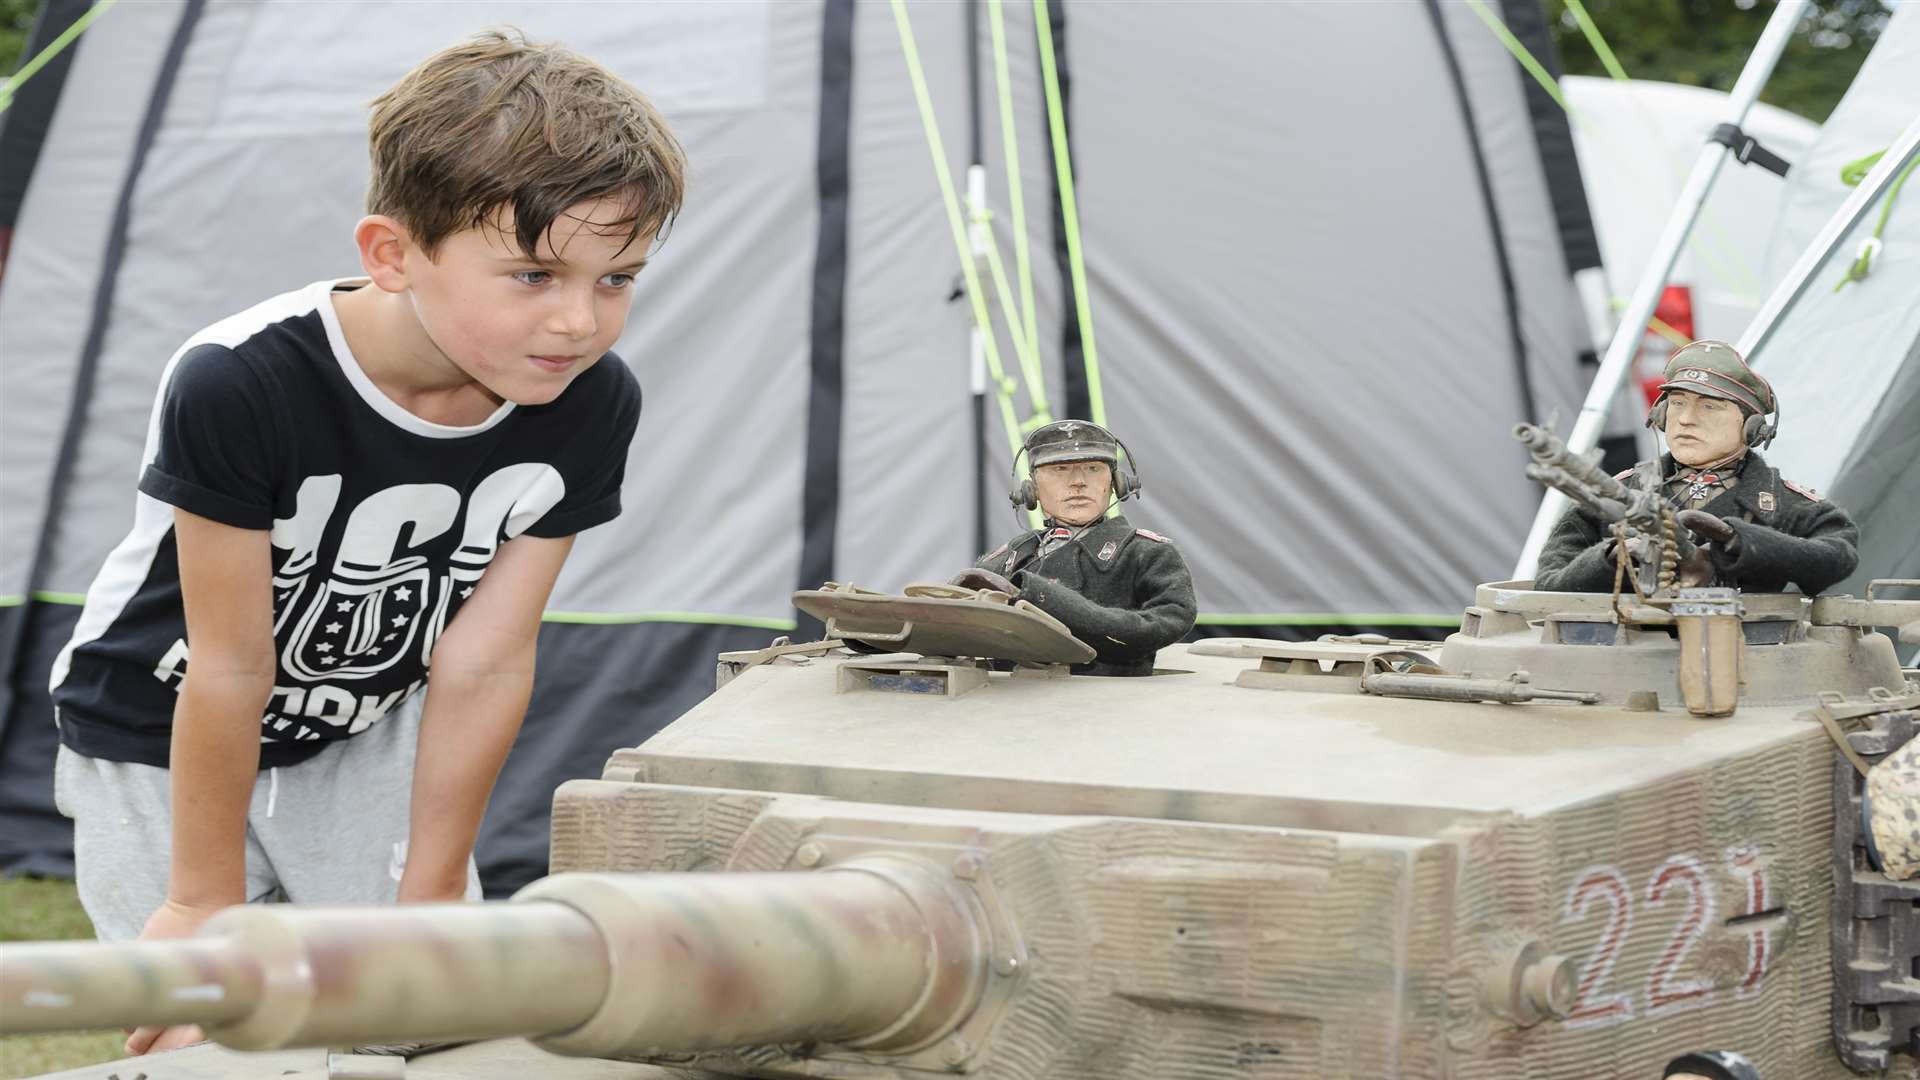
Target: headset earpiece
[[1657, 416], [1759, 430], [1024, 497]]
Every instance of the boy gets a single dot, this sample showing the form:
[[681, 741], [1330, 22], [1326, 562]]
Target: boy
[[1764, 532], [1122, 590], [359, 488]]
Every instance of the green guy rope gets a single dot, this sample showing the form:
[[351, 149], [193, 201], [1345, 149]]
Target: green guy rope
[[1851, 174], [1520, 53], [1010, 143], [19, 78], [1069, 209], [1714, 257], [1600, 47], [975, 297], [1026, 348]]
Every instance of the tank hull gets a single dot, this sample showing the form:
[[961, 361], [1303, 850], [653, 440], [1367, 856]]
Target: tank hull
[[1337, 888]]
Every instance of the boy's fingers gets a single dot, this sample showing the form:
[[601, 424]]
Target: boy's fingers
[[142, 1040], [153, 1037], [178, 1036]]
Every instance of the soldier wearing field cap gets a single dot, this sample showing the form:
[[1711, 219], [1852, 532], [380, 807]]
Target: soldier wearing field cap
[[1122, 590], [1761, 532]]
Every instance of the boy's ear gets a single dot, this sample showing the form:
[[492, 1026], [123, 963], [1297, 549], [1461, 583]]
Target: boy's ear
[[383, 244]]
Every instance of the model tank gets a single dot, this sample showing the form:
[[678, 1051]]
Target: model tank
[[1583, 835]]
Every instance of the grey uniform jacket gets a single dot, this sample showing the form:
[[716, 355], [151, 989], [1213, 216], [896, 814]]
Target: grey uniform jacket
[[1124, 591], [1785, 535]]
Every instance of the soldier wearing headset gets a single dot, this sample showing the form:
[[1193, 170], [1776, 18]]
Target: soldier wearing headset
[[1122, 590], [1762, 531]]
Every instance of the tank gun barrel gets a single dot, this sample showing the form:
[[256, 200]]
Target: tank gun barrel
[[265, 977], [876, 953], [58, 986]]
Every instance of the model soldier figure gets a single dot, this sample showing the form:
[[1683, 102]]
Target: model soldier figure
[[1759, 531], [1122, 590]]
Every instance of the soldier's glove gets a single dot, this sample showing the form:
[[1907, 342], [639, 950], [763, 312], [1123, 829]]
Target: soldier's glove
[[975, 578], [1710, 529]]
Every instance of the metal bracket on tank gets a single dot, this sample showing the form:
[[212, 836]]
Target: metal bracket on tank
[[1333, 664], [1876, 920], [934, 676], [730, 664]]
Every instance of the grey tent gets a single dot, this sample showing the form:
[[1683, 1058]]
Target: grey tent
[[1330, 250]]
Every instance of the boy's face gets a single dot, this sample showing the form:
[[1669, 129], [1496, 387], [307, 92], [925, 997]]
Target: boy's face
[[1073, 493], [1702, 430], [525, 327]]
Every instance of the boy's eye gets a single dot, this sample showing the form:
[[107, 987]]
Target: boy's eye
[[531, 277], [617, 281]]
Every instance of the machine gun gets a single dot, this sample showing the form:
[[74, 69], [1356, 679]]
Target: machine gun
[[1640, 512]]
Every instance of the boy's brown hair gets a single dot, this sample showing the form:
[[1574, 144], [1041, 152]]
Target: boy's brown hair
[[499, 122]]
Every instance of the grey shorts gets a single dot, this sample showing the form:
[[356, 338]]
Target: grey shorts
[[330, 830]]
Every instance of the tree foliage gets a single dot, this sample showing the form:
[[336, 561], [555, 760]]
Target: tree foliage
[[16, 19], [1706, 42]]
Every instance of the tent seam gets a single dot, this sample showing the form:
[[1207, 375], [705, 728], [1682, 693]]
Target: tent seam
[[1501, 258], [820, 497]]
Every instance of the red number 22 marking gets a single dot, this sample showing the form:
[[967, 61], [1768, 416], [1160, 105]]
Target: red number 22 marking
[[1605, 885], [1663, 994]]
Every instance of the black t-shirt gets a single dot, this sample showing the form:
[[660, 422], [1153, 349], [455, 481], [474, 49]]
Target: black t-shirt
[[380, 524]]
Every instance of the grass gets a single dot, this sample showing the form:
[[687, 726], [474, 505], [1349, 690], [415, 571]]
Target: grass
[[37, 910]]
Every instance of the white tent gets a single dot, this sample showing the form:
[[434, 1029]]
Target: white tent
[[1850, 355], [1329, 249], [1636, 141]]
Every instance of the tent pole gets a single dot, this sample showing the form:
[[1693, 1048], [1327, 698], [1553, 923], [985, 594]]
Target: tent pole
[[1653, 279], [976, 342]]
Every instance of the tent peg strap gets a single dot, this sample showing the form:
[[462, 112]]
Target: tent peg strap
[[1747, 149]]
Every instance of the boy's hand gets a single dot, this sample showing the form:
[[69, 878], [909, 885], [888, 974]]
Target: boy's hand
[[416, 889], [171, 919]]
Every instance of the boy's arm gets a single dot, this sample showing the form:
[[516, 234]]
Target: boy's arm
[[477, 696], [226, 588]]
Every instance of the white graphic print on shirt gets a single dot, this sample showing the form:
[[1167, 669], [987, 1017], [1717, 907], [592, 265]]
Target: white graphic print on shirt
[[380, 601]]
